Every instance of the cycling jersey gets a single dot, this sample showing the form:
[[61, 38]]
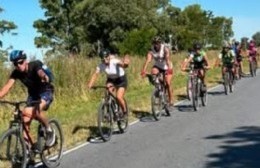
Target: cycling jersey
[[31, 79], [159, 58], [198, 59], [113, 70], [227, 58]]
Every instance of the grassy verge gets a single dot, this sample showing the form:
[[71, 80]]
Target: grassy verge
[[76, 107]]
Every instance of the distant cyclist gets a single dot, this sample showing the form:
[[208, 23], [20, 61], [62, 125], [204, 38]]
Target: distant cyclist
[[200, 60], [162, 63], [33, 76], [252, 50], [116, 77], [227, 58]]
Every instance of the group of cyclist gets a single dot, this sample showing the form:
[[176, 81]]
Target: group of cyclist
[[39, 87]]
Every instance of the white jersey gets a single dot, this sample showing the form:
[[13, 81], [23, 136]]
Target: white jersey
[[113, 70], [159, 57]]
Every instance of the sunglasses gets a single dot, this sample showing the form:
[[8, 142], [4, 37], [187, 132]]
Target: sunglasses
[[18, 63]]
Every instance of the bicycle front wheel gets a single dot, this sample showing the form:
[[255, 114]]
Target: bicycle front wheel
[[105, 121], [195, 95], [51, 156], [123, 120], [12, 150], [157, 104], [226, 83]]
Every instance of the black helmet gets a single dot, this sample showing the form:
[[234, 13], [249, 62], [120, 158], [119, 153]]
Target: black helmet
[[104, 53], [196, 46], [157, 39]]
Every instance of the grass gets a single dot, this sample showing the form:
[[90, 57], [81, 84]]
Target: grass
[[76, 107]]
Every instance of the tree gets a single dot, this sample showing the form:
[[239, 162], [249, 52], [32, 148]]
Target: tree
[[5, 27], [256, 37]]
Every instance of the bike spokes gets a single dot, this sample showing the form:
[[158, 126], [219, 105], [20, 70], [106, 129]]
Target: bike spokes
[[105, 123], [52, 155]]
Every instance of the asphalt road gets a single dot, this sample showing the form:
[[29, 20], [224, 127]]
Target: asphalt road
[[225, 134]]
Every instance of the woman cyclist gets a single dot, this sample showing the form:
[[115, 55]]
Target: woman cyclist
[[116, 77], [200, 60], [161, 55]]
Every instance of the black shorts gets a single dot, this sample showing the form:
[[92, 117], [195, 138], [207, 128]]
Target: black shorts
[[118, 82], [160, 69]]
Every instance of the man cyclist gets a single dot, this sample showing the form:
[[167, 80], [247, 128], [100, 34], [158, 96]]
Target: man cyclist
[[161, 55], [227, 57], [33, 76], [116, 77], [200, 60]]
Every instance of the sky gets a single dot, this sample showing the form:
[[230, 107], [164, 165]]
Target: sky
[[245, 14]]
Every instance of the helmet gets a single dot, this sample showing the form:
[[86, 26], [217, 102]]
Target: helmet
[[17, 55], [157, 39], [104, 53], [226, 44], [196, 46], [236, 43]]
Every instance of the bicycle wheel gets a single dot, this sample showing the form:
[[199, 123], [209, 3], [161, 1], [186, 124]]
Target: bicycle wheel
[[12, 150], [226, 83], [105, 123], [251, 67], [254, 67], [51, 156], [157, 104], [195, 90], [166, 103], [122, 121], [203, 95], [231, 81], [188, 89]]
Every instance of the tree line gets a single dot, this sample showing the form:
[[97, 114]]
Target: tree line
[[126, 26]]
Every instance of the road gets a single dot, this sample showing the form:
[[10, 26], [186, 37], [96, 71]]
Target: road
[[225, 134]]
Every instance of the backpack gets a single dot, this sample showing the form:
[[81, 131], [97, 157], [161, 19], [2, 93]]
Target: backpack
[[48, 72]]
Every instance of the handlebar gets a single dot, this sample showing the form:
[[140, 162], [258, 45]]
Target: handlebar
[[18, 103]]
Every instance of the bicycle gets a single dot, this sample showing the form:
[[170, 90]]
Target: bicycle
[[14, 152], [229, 80], [159, 97], [252, 65], [110, 111], [195, 88]]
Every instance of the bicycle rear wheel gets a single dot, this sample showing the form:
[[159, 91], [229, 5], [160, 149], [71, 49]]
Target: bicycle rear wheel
[[12, 150], [105, 121], [226, 83], [122, 121], [51, 156], [157, 104]]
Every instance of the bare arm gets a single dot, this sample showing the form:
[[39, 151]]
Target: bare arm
[[167, 57], [207, 61], [6, 87], [93, 79], [43, 76], [147, 61], [185, 63], [124, 62]]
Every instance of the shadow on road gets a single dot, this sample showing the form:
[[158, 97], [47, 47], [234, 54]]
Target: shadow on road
[[143, 116], [239, 149], [216, 93], [184, 108]]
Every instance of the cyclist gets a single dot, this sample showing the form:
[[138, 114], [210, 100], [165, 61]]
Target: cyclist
[[33, 76], [238, 58], [252, 51], [200, 60], [227, 57], [161, 55], [116, 77]]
